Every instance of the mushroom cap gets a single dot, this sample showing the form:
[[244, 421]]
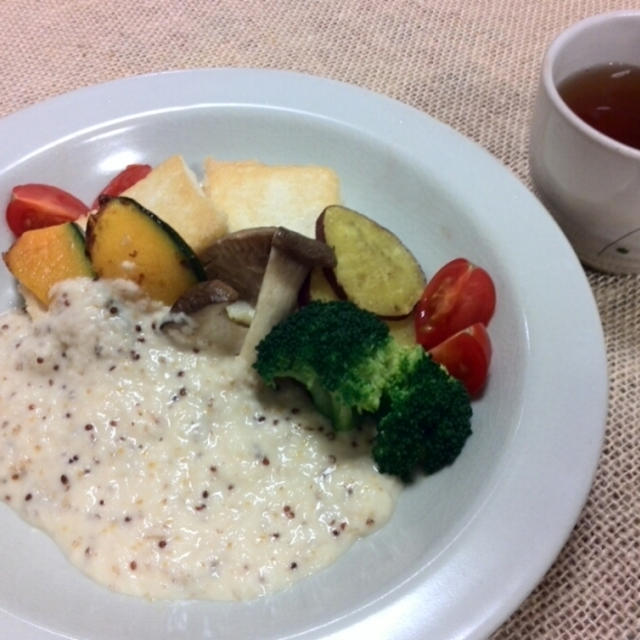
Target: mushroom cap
[[240, 258], [204, 294]]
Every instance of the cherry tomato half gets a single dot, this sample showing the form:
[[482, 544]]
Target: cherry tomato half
[[466, 355], [459, 295], [126, 178], [33, 206]]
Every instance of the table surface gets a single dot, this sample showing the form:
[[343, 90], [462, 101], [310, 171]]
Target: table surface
[[472, 64]]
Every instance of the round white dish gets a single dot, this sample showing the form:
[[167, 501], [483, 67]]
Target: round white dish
[[466, 545]]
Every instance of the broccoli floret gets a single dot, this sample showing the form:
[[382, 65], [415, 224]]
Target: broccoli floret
[[352, 366], [424, 419], [337, 351]]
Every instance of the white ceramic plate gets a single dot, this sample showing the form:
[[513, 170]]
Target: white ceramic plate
[[464, 546]]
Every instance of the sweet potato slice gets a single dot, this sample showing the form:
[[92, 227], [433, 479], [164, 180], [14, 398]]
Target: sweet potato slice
[[373, 268], [317, 287]]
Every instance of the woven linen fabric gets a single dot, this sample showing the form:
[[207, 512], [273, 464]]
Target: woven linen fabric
[[472, 64]]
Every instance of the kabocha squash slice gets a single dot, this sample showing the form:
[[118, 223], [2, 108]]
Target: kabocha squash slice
[[125, 240], [40, 258], [373, 268]]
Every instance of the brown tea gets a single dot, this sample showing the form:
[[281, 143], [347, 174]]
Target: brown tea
[[607, 97]]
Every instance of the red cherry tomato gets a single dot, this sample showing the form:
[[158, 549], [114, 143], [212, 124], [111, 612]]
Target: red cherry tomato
[[33, 206], [459, 295], [126, 178], [466, 355]]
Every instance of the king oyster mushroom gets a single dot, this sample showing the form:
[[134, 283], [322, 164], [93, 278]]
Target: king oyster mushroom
[[240, 259], [291, 257], [198, 317], [265, 267]]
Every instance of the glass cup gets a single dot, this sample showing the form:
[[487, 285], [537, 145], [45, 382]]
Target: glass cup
[[588, 181]]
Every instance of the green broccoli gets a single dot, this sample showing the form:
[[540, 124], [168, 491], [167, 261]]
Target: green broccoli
[[351, 366], [424, 420], [338, 352]]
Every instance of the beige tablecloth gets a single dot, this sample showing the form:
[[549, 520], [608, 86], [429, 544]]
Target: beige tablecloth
[[470, 63]]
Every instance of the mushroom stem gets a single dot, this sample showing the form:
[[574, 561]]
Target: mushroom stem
[[278, 296]]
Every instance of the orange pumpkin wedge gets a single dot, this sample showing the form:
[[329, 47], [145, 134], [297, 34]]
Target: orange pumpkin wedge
[[40, 258]]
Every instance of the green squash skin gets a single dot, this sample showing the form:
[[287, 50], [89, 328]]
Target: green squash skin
[[188, 257]]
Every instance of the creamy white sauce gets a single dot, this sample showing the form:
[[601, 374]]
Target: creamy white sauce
[[165, 471]]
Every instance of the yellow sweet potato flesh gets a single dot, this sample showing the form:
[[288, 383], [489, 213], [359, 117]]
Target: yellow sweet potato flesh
[[374, 269], [124, 240], [40, 258], [317, 287]]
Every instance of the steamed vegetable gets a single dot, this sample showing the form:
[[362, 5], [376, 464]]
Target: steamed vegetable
[[41, 257], [125, 240], [351, 366], [317, 287], [291, 257], [373, 268]]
